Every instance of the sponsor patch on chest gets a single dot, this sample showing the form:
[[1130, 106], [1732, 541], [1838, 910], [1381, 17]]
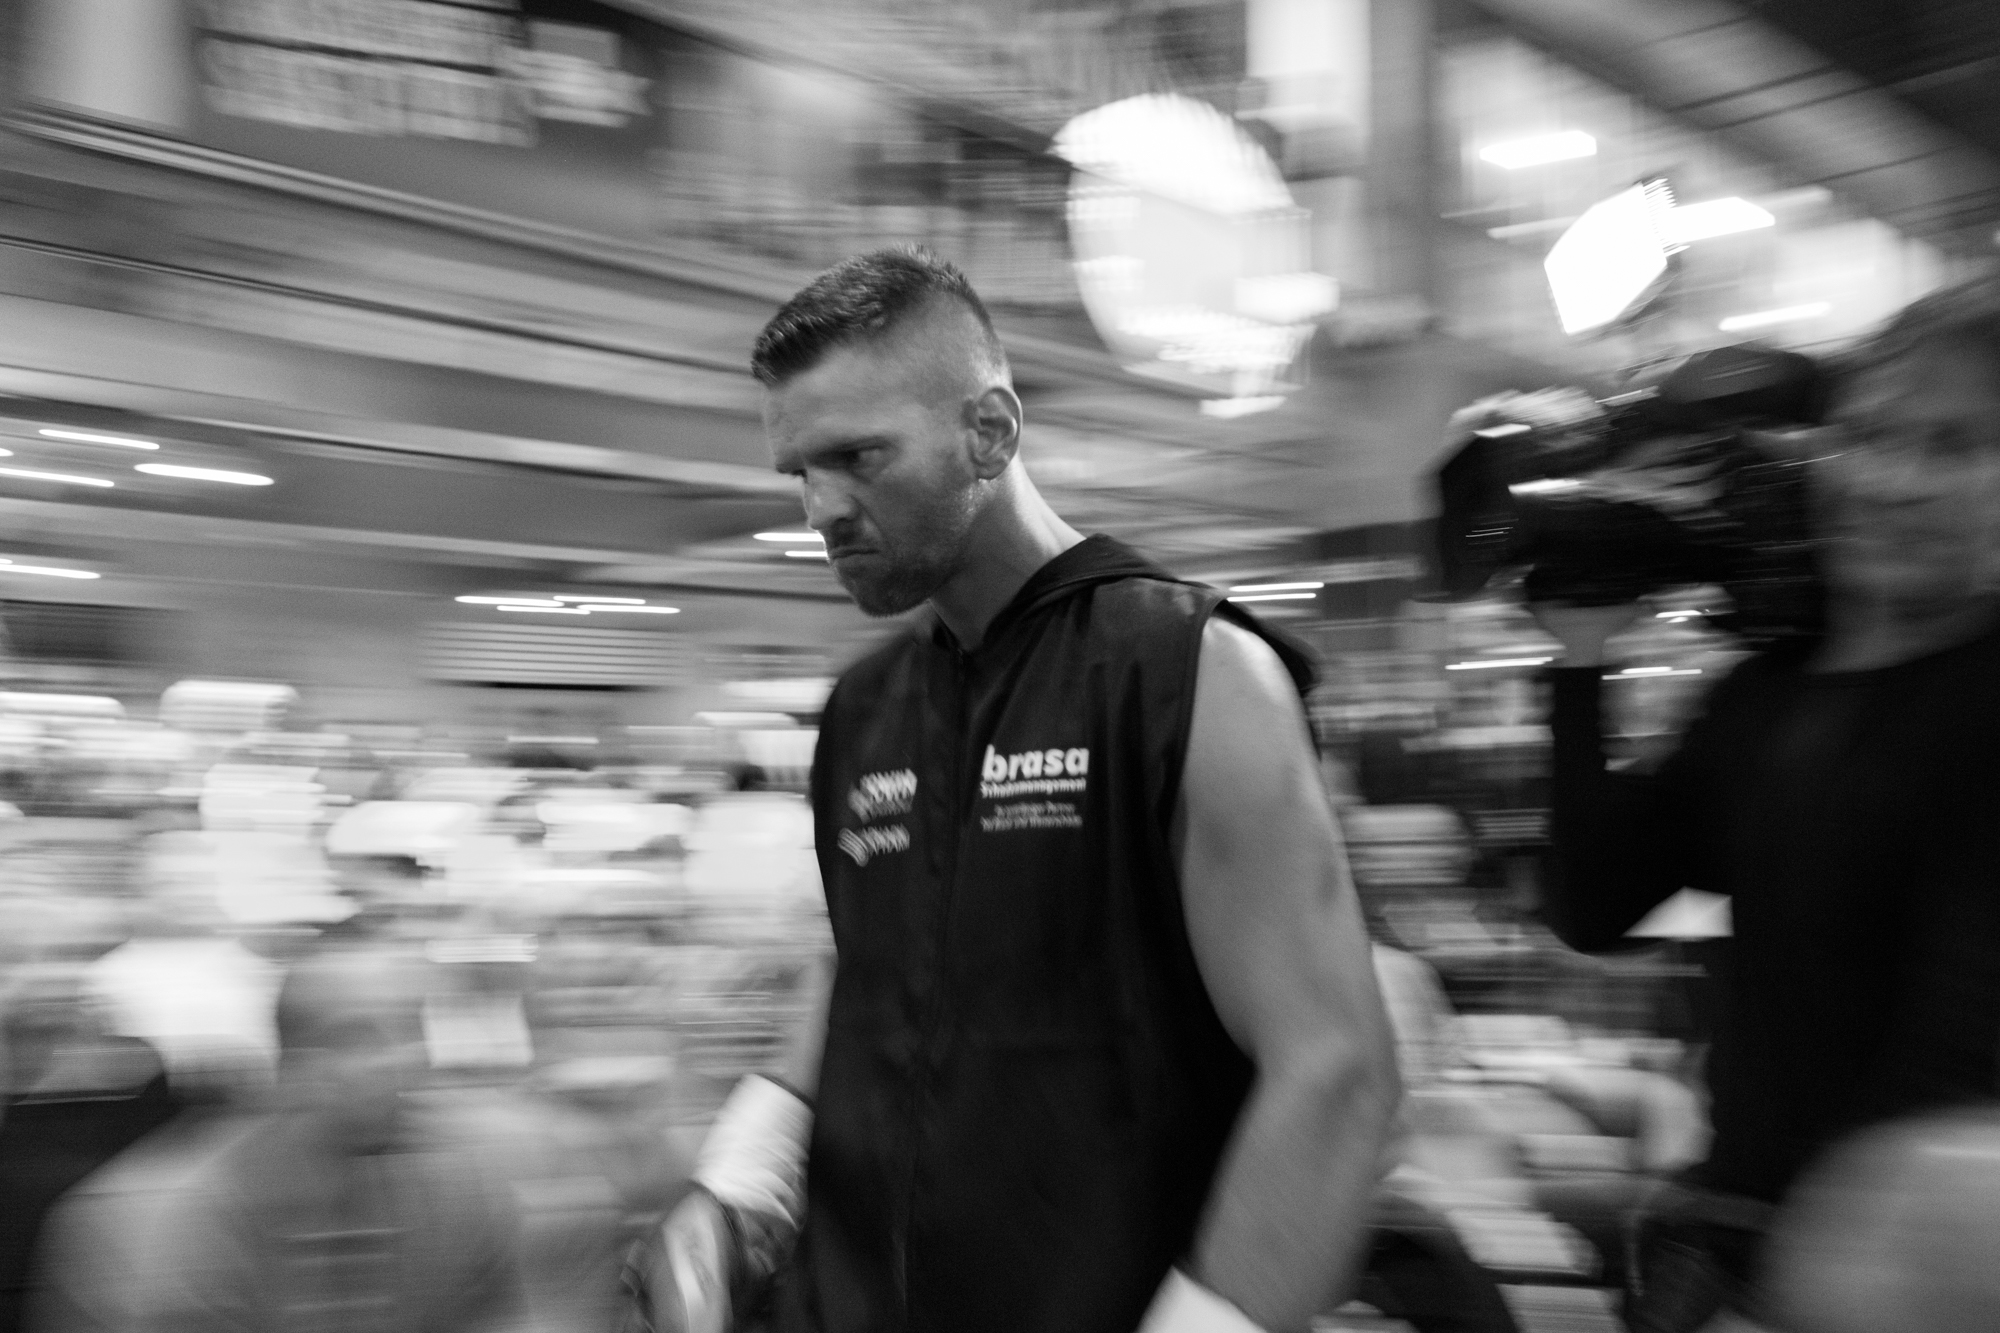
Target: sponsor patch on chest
[[1043, 776], [879, 795], [863, 845]]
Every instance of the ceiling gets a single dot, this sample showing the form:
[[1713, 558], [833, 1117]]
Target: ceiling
[[462, 410]]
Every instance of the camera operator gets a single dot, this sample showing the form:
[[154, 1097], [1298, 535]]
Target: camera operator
[[1843, 791]]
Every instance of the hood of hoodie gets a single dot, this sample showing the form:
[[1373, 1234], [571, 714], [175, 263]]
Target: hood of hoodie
[[1100, 559]]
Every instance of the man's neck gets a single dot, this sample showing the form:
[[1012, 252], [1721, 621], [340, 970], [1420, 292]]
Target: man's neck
[[1015, 536], [1865, 636]]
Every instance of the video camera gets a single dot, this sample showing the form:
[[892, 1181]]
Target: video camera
[[1683, 480]]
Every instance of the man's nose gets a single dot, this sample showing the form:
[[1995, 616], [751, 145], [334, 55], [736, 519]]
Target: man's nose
[[827, 502]]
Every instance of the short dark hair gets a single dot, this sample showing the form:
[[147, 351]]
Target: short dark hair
[[861, 298]]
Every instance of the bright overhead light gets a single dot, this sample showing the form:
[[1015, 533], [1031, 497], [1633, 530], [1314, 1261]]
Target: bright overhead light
[[65, 478], [1276, 597], [542, 610], [1653, 673], [807, 555], [1274, 587], [202, 474], [1492, 662], [789, 537], [1715, 217], [1228, 408], [1762, 319], [1678, 615], [47, 571], [1610, 257], [90, 437], [608, 601], [1540, 150], [479, 599], [598, 609]]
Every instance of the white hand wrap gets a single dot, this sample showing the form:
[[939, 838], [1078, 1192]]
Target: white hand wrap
[[1183, 1305], [754, 1157]]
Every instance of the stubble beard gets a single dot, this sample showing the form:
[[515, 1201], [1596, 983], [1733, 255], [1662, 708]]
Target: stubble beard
[[902, 579]]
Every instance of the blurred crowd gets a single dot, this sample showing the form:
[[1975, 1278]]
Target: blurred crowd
[[280, 1054]]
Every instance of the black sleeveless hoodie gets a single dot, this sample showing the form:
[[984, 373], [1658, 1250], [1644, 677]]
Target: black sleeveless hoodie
[[1025, 1090]]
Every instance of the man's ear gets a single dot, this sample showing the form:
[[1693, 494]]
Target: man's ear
[[994, 419]]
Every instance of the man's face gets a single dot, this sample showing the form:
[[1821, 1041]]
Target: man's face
[[878, 436], [1910, 503]]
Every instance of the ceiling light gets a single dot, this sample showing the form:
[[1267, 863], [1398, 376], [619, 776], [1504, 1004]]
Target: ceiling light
[[1515, 154], [542, 610], [474, 599], [807, 555], [1496, 662], [47, 571], [596, 608], [1652, 673], [65, 478], [1647, 671], [1761, 319], [1608, 260], [1227, 408], [593, 601], [1716, 217], [89, 437], [202, 474], [789, 537], [1276, 597], [1274, 587]]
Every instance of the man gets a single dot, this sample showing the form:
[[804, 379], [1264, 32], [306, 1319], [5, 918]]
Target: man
[[320, 1214], [72, 1096], [1844, 794], [1103, 1034]]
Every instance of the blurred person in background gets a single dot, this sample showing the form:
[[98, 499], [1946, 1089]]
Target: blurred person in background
[[72, 1096], [324, 1211], [1103, 1049], [1843, 793], [1462, 1132]]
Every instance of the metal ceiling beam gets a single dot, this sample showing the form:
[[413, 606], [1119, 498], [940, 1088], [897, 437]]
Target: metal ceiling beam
[[1715, 65]]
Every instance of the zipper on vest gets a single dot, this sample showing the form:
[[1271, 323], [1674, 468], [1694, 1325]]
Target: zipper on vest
[[931, 1024]]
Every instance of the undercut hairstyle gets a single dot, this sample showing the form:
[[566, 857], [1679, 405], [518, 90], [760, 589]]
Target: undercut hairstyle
[[1966, 314], [861, 299]]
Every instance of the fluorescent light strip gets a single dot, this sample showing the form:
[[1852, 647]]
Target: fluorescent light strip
[[1277, 597], [473, 599], [1763, 319], [1565, 146], [1496, 662], [1652, 673], [64, 478], [807, 555], [203, 474], [87, 437], [543, 610], [596, 609], [1274, 587], [608, 601], [789, 537], [1713, 217], [50, 571], [47, 571]]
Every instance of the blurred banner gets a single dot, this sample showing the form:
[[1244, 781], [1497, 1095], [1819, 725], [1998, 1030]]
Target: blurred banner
[[795, 131], [543, 109]]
